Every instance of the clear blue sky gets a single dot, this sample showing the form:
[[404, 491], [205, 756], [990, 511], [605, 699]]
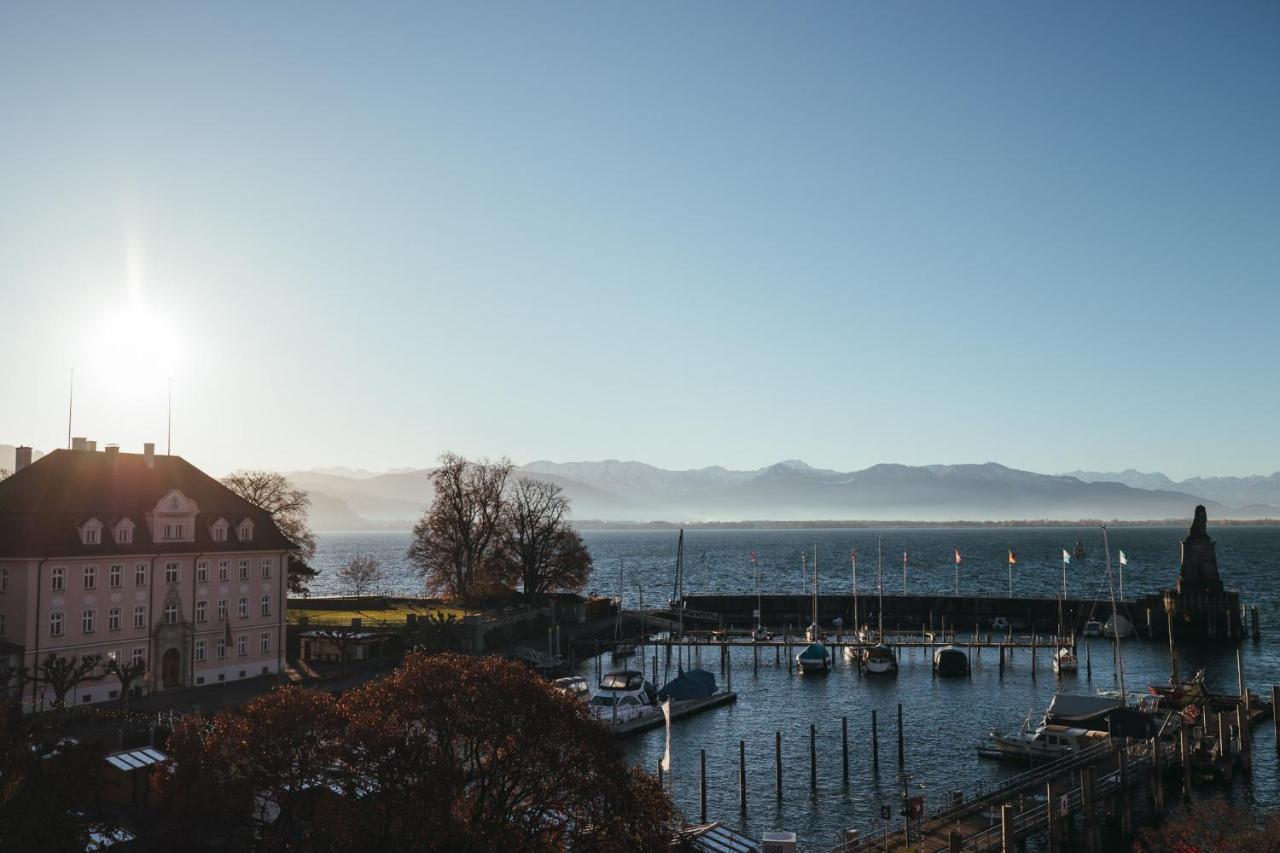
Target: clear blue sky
[[689, 234]]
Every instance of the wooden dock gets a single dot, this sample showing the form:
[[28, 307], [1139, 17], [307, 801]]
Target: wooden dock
[[679, 709]]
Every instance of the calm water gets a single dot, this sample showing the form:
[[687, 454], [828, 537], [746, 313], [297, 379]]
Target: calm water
[[945, 719]]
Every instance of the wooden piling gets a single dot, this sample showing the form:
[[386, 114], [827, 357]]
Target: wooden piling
[[1051, 821], [1157, 774], [844, 744], [777, 762], [1088, 660], [702, 784], [1006, 828], [742, 775], [1033, 660], [902, 755], [813, 757], [1126, 811], [875, 744], [1257, 630], [659, 772], [1275, 713], [1088, 790], [1246, 738], [1184, 750], [1224, 745]]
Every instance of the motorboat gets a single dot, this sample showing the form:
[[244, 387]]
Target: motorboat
[[813, 634], [624, 695], [575, 686], [1078, 552], [815, 657], [761, 635], [1117, 626], [1092, 628], [1000, 625], [623, 649], [1044, 742], [880, 660], [1065, 661], [950, 661]]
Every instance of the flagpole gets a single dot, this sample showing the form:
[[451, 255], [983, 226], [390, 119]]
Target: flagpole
[[957, 571], [904, 572], [853, 558], [1010, 560]]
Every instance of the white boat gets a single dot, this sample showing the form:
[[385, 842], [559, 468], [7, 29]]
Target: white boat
[[1044, 742], [624, 695], [1092, 628], [880, 660], [1000, 625], [813, 634], [575, 686], [760, 635], [1118, 626], [1065, 661]]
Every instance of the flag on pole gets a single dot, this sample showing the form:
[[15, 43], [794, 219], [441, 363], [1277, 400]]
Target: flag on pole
[[1013, 558], [1066, 558], [904, 558], [666, 716], [853, 556], [1124, 561], [752, 557], [957, 556]]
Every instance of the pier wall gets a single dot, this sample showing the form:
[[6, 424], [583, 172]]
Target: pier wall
[[910, 611]]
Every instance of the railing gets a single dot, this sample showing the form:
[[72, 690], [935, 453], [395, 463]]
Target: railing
[[1029, 820]]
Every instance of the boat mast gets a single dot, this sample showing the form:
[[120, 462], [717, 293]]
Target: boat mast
[[1115, 620], [815, 590], [853, 560], [880, 581]]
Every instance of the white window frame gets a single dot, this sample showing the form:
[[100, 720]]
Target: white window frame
[[222, 610], [56, 623], [264, 642], [202, 611], [90, 577], [202, 571], [220, 648], [266, 568], [115, 576], [266, 605], [171, 614], [172, 571], [140, 574], [244, 570], [88, 620], [200, 651], [113, 619], [139, 617], [242, 645], [58, 579], [224, 570], [243, 608]]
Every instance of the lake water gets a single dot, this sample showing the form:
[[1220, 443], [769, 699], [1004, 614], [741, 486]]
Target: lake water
[[945, 719]]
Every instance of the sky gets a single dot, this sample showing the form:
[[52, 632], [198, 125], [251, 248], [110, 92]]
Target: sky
[[690, 234]]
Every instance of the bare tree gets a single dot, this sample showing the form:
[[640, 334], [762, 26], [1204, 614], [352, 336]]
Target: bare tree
[[126, 674], [538, 548], [360, 575], [287, 505], [454, 541], [344, 638], [63, 674]]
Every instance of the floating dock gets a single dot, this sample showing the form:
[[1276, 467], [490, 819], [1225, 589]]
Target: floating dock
[[679, 709]]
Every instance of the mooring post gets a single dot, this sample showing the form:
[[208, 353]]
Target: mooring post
[[777, 761], [902, 755], [1184, 751], [844, 743], [702, 784], [1088, 660], [1088, 789], [755, 654], [1126, 814], [1050, 818], [1224, 745], [1246, 738], [742, 775], [1157, 775], [1275, 712], [1006, 828], [1002, 660], [875, 744], [813, 757], [659, 772], [728, 670], [1257, 630], [1033, 660]]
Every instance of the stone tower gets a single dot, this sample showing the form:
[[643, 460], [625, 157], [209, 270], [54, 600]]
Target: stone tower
[[1199, 575]]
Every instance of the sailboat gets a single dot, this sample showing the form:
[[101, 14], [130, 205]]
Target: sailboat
[[880, 659], [815, 657], [1064, 659], [1115, 619]]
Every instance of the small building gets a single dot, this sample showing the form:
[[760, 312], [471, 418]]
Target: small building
[[126, 780], [325, 645]]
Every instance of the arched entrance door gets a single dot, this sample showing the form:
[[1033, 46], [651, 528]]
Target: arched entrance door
[[171, 669]]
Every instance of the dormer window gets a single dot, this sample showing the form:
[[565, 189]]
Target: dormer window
[[245, 533], [174, 530], [219, 530], [91, 532], [124, 532]]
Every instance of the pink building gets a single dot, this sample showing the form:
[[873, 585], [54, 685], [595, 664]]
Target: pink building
[[141, 557]]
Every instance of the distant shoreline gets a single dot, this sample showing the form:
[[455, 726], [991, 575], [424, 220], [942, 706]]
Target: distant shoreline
[[596, 525]]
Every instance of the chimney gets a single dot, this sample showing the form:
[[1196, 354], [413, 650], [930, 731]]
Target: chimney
[[111, 449], [93, 447], [21, 458], [79, 443], [149, 454]]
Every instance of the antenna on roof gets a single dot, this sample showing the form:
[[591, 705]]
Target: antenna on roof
[[169, 448], [71, 398]]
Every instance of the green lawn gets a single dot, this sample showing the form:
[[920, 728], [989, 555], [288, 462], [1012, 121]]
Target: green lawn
[[394, 613]]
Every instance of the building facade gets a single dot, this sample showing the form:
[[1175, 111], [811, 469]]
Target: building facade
[[136, 557]]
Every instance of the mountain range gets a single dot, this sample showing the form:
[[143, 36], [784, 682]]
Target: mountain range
[[791, 490]]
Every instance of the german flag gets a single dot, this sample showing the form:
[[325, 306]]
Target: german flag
[[1013, 558]]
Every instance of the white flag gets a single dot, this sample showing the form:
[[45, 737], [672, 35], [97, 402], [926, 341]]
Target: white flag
[[1066, 558], [666, 755], [1124, 561]]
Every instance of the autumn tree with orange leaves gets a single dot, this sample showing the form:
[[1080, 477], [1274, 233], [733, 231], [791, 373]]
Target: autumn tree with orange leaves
[[446, 753]]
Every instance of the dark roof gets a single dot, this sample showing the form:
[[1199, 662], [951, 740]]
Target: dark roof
[[43, 505]]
